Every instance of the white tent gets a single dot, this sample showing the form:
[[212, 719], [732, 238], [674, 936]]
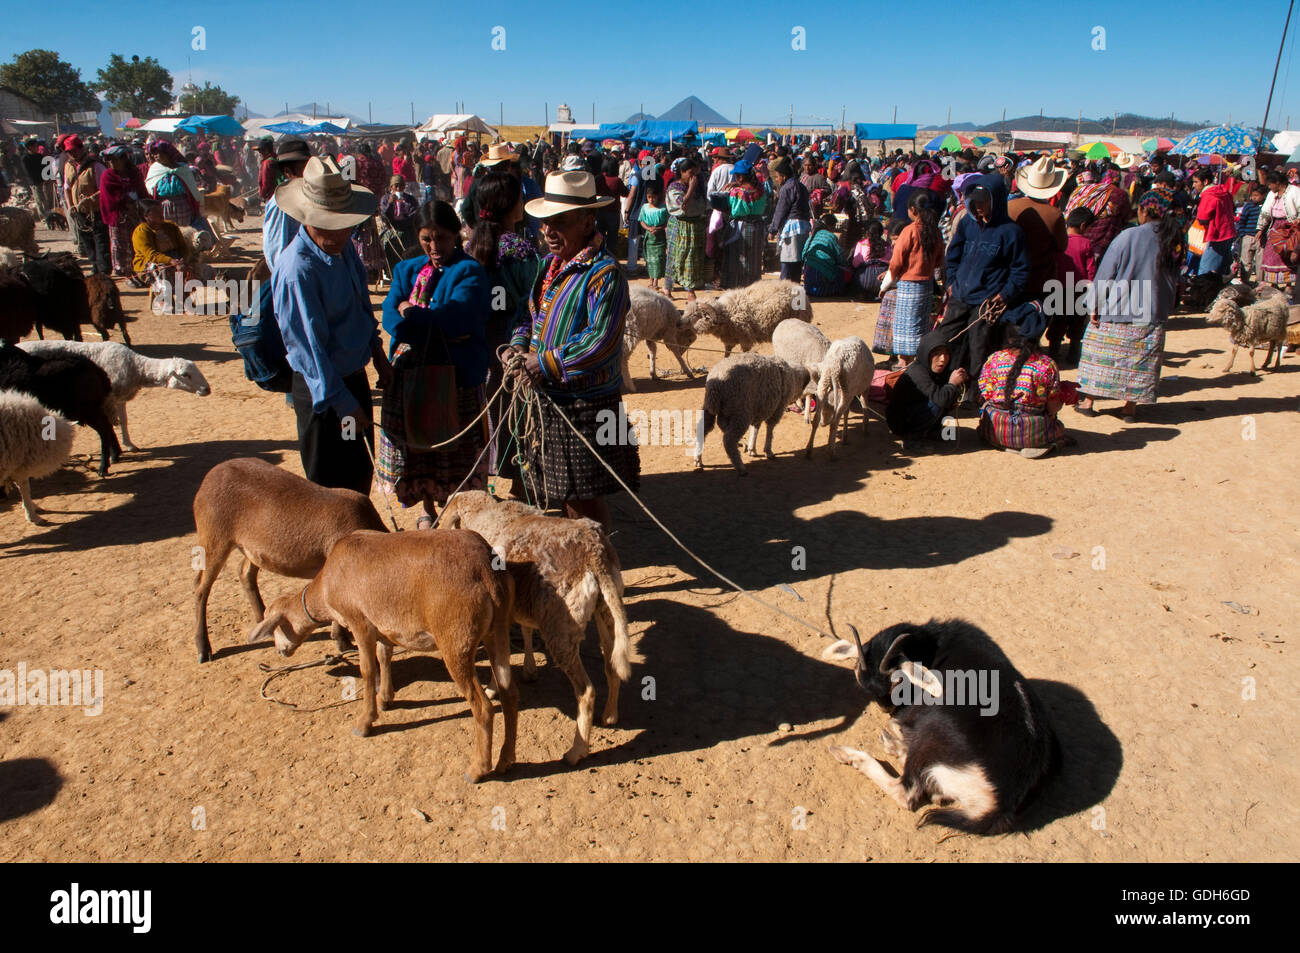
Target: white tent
[[163, 124], [253, 127], [443, 123], [1286, 141]]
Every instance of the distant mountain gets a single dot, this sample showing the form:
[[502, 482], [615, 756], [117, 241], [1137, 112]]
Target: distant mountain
[[692, 107], [955, 127], [635, 118]]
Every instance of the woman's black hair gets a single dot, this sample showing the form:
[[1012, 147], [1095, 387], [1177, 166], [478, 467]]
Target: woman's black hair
[[437, 214], [498, 194], [1173, 242], [654, 187], [1027, 347], [928, 219], [1276, 178], [609, 166], [875, 235], [896, 227], [827, 221]]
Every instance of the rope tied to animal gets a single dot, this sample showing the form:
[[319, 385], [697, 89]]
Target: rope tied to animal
[[334, 658]]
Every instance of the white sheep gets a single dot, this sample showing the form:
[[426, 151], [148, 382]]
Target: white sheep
[[129, 371], [653, 318], [844, 373], [34, 442], [743, 317], [742, 392], [1263, 322], [799, 343]]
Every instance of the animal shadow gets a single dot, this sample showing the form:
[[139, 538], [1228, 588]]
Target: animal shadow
[[26, 785]]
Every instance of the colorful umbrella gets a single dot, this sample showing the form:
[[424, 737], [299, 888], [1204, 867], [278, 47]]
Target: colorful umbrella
[[981, 140], [132, 123], [948, 143], [1100, 150], [1212, 159], [1157, 144], [744, 135], [1222, 141]]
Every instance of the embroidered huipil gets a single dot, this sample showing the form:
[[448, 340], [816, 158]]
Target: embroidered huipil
[[578, 312]]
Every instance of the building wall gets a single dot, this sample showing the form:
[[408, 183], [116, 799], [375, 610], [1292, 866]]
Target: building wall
[[14, 106]]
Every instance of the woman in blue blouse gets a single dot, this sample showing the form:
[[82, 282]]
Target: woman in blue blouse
[[435, 314]]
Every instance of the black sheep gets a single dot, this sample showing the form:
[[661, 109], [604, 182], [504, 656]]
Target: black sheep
[[62, 302], [73, 386], [17, 306]]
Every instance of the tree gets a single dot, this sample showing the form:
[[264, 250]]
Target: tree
[[142, 86], [53, 85], [208, 101]]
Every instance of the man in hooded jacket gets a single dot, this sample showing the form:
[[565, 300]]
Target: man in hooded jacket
[[987, 265]]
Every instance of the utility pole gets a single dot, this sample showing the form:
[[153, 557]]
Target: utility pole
[[740, 115], [370, 113], [502, 120], [546, 115], [313, 109], [1269, 105], [948, 124], [842, 109], [412, 114], [593, 114], [792, 119], [1114, 122], [895, 114], [1078, 126]]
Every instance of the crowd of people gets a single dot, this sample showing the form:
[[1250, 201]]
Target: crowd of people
[[974, 258]]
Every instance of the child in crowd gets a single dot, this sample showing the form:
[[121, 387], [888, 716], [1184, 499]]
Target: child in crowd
[[654, 222], [1077, 265], [1247, 224]]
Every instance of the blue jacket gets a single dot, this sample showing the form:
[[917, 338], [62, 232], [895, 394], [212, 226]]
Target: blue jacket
[[984, 260], [459, 306]]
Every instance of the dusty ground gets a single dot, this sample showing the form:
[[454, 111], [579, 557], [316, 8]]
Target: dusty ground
[[1146, 671]]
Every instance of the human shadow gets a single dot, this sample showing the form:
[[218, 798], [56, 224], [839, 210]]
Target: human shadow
[[1183, 412], [1090, 757], [27, 785], [1129, 438], [198, 352], [160, 504], [701, 683]]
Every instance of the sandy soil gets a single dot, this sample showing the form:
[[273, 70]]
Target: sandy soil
[[1176, 712]]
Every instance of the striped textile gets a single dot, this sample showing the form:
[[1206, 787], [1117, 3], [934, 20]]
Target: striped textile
[[1016, 430], [912, 315], [742, 260], [1122, 361], [365, 239], [415, 474], [119, 243], [670, 251], [178, 210], [570, 471], [654, 256], [688, 261], [883, 342], [578, 311]]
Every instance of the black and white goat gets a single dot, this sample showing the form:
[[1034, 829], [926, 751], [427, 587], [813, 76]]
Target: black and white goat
[[973, 739]]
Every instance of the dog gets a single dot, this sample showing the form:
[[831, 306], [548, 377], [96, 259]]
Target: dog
[[56, 220], [974, 741], [219, 206]]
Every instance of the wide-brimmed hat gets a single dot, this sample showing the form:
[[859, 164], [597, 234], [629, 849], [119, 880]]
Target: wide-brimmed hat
[[1124, 160], [323, 198], [500, 152], [290, 149], [1040, 179], [566, 191], [573, 164]]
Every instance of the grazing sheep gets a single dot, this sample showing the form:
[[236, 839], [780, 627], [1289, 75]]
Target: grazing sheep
[[128, 372], [423, 590], [70, 384], [106, 312], [18, 307], [799, 343], [742, 392], [34, 442], [747, 316], [278, 520], [62, 302], [18, 230], [844, 374], [652, 317], [565, 571], [1263, 322]]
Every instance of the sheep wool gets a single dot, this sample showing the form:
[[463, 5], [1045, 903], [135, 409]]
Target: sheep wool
[[34, 442], [747, 316], [742, 392]]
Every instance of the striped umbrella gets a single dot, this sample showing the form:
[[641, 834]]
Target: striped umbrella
[[948, 143], [1157, 144], [981, 141], [1222, 141], [1100, 150]]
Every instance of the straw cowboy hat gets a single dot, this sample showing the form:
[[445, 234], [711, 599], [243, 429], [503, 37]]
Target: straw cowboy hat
[[1040, 179], [1124, 160], [566, 191], [500, 152], [323, 198]]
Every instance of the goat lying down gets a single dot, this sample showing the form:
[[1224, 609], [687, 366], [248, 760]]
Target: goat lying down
[[973, 739]]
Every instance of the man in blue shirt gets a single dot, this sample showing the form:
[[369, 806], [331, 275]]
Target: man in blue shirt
[[323, 308], [278, 229]]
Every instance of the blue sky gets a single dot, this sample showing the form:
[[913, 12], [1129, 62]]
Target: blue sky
[[866, 58]]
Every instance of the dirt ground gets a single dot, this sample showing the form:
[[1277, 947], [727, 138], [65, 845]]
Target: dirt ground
[[1103, 572]]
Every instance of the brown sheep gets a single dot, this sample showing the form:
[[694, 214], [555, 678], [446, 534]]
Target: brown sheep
[[18, 230]]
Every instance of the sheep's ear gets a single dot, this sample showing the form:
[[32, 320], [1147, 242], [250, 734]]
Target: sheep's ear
[[840, 651], [265, 629], [922, 677]]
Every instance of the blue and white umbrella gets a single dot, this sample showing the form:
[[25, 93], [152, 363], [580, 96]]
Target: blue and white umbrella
[[1222, 141]]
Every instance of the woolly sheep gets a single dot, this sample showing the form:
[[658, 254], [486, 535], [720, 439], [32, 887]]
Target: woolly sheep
[[747, 316], [34, 442], [128, 372], [18, 306], [1263, 322], [744, 391], [70, 384], [799, 343], [843, 374], [652, 317], [62, 301], [18, 230], [106, 311]]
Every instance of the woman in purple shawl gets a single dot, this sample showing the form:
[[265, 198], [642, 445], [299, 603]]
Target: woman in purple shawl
[[120, 188]]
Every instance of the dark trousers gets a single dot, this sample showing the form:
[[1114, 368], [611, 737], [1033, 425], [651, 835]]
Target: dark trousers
[[792, 271], [972, 349], [331, 457], [92, 240]]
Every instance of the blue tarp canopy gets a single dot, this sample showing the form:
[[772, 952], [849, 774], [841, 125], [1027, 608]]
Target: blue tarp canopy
[[714, 139], [290, 128], [660, 131], [606, 130], [885, 130], [213, 125]]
